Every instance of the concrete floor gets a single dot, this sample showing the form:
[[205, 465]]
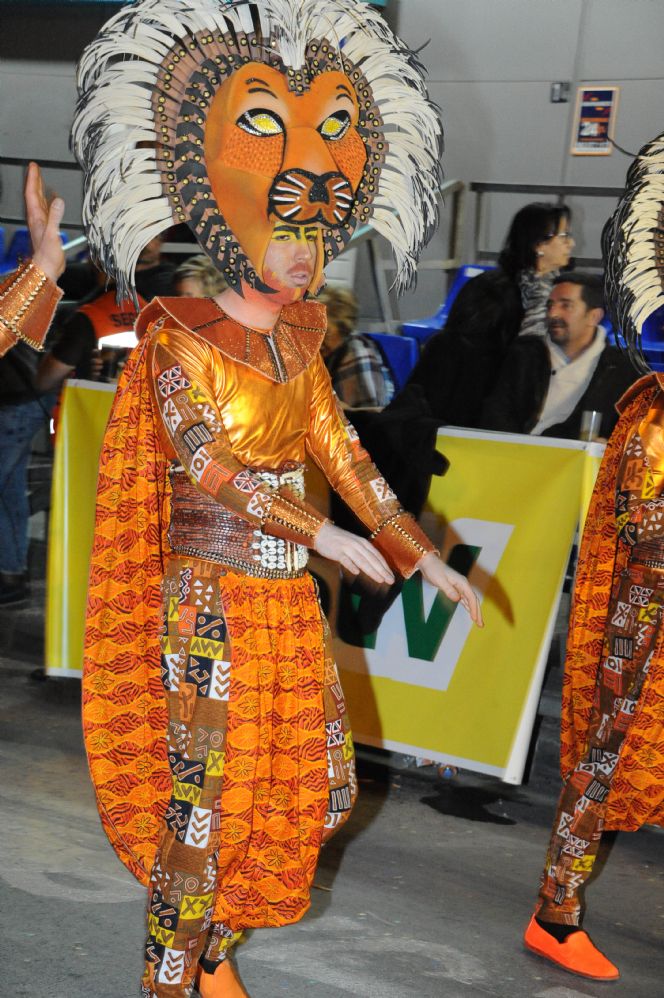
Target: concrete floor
[[425, 894]]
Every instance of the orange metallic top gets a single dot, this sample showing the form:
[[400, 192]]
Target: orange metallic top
[[223, 419]]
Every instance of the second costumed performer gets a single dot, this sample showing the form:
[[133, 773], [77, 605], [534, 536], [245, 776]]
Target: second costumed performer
[[215, 725], [612, 727]]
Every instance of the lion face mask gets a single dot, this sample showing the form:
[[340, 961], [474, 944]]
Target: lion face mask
[[266, 113]]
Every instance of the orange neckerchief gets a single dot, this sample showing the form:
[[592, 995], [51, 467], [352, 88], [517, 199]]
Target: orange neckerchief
[[298, 333]]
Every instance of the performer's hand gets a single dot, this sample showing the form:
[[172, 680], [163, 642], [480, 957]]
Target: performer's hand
[[43, 220], [455, 586], [353, 553]]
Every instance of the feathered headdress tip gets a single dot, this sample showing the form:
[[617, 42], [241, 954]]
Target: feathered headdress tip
[[632, 248]]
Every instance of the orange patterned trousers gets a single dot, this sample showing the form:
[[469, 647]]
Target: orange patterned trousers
[[262, 765], [634, 619]]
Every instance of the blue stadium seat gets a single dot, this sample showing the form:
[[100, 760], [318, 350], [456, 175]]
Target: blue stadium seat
[[401, 354], [610, 331], [20, 248], [422, 329], [652, 333]]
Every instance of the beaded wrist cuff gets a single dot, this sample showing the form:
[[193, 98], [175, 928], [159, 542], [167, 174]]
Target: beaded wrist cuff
[[292, 519], [402, 542], [27, 305]]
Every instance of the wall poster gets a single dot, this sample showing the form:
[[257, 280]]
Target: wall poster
[[594, 120]]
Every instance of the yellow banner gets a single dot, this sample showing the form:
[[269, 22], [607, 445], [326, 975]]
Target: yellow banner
[[84, 413], [429, 683]]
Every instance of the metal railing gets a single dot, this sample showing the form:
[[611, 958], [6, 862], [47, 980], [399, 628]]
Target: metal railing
[[381, 264], [77, 243], [559, 191]]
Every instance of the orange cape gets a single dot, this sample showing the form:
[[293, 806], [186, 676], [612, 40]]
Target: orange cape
[[637, 792], [124, 710]]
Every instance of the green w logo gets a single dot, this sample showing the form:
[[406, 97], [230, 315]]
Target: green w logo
[[424, 631]]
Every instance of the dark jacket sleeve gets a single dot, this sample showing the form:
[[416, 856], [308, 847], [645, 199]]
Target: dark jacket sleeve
[[613, 376], [516, 401], [458, 366], [76, 343]]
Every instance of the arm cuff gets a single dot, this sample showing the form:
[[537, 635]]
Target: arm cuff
[[292, 519], [401, 541], [27, 304]]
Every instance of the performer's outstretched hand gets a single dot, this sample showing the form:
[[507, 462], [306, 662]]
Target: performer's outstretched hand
[[455, 586], [352, 552], [43, 220]]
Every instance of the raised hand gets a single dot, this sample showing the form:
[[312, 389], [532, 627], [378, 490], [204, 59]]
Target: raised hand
[[43, 220], [455, 586], [353, 553]]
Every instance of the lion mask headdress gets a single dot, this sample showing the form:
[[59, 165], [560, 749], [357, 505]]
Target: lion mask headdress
[[237, 116]]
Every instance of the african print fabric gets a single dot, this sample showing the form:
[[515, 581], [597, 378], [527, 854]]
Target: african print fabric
[[124, 710], [632, 635], [219, 747], [261, 758], [636, 795]]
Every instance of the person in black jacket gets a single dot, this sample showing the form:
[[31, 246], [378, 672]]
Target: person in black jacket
[[546, 384], [459, 365]]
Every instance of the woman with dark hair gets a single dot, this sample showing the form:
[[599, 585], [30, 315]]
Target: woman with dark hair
[[459, 365], [538, 246]]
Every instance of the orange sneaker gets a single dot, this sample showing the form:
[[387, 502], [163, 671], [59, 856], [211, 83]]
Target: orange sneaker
[[577, 953]]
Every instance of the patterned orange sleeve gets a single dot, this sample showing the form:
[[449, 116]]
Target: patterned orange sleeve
[[335, 446], [182, 379], [28, 299]]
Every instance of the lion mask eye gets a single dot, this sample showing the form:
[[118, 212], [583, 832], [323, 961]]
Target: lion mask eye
[[335, 126], [260, 122]]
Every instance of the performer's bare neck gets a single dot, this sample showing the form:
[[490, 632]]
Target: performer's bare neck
[[257, 312]]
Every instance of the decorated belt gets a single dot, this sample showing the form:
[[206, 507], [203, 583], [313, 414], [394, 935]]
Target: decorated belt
[[202, 528]]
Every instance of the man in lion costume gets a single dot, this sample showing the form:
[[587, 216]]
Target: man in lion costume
[[215, 724]]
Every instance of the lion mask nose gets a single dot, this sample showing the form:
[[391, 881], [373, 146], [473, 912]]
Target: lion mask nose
[[304, 198]]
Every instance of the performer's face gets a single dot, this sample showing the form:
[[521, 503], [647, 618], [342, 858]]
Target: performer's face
[[290, 261], [278, 158]]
